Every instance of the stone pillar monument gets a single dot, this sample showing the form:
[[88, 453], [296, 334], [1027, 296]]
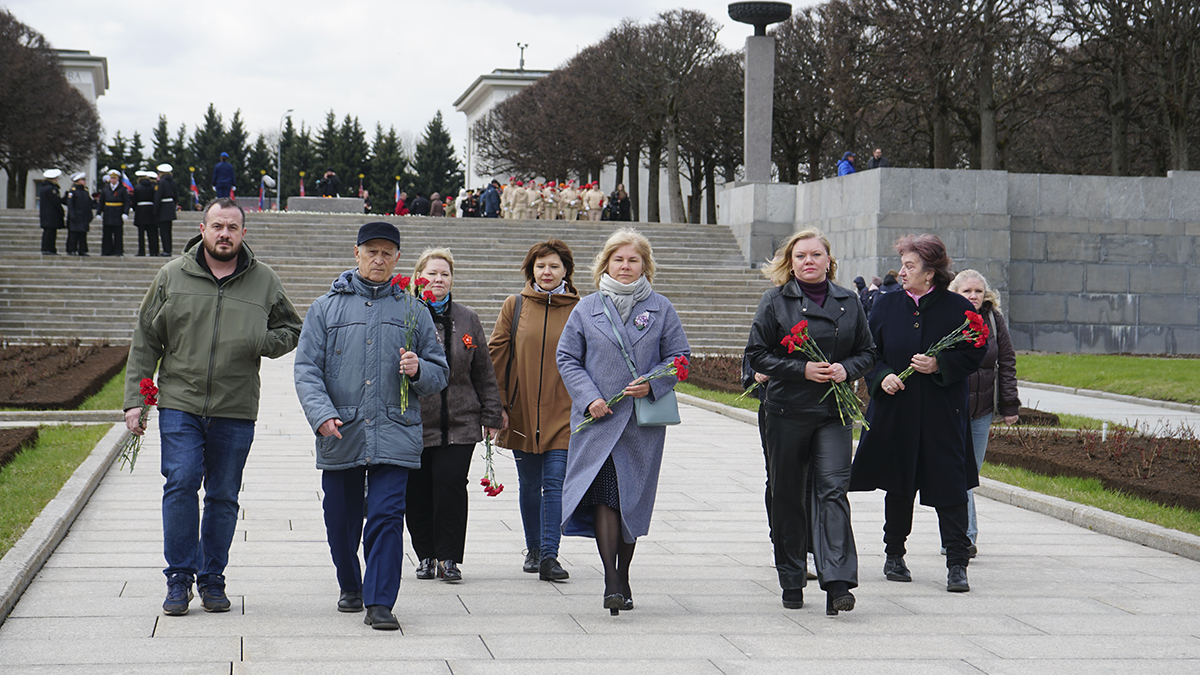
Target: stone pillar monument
[[757, 210], [760, 84]]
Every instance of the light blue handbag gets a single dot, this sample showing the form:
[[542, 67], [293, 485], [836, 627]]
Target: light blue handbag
[[661, 412]]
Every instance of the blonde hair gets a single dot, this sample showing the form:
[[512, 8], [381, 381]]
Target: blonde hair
[[989, 295], [433, 254], [623, 237], [779, 268]]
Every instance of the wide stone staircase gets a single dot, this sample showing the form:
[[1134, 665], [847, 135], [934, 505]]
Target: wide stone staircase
[[699, 268]]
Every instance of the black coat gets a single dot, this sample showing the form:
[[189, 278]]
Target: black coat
[[143, 203], [920, 437], [79, 209], [1000, 361], [50, 206], [165, 195], [114, 203], [839, 328]]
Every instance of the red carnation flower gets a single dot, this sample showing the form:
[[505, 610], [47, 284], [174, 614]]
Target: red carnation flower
[[428, 296], [800, 327], [401, 281]]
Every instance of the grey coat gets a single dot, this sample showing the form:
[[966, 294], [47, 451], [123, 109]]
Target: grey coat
[[592, 367], [348, 367]]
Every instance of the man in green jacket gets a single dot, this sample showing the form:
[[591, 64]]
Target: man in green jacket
[[204, 325]]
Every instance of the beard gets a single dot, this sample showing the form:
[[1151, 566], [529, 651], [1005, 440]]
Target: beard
[[221, 256]]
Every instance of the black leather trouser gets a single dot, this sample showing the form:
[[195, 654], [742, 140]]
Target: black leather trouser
[[795, 446]]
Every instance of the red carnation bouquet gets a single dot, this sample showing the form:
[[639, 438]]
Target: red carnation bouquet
[[973, 330], [677, 369], [129, 451], [491, 486], [417, 288], [847, 402]]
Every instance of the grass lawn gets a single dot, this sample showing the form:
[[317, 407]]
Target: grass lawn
[[35, 476], [1161, 379], [110, 397], [1089, 491]]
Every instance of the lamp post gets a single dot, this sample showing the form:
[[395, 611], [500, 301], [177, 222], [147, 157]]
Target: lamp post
[[279, 161]]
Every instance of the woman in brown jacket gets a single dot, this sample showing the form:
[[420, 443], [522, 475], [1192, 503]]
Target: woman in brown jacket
[[537, 406], [453, 420]]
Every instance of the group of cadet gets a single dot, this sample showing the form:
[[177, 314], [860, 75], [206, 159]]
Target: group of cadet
[[152, 201], [550, 200]]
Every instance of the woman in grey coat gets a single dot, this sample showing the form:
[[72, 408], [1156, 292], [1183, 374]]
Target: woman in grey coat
[[613, 464]]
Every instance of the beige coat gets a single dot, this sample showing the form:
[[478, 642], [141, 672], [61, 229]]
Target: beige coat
[[539, 408]]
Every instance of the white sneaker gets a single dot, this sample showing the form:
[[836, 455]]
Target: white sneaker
[[812, 567]]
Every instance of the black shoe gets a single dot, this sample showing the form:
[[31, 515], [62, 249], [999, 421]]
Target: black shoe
[[550, 570], [956, 580], [165, 255], [179, 594], [793, 598], [614, 603], [447, 570], [350, 602], [533, 561], [380, 617], [972, 550], [140, 255], [838, 598], [212, 596], [895, 569], [427, 568]]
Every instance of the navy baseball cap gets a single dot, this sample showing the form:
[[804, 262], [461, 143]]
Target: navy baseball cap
[[378, 230]]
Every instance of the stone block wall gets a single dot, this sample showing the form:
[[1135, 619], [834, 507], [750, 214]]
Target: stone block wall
[[1083, 263]]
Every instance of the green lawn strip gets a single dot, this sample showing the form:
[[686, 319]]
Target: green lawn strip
[[746, 402], [110, 397], [35, 476], [1159, 379], [1090, 492]]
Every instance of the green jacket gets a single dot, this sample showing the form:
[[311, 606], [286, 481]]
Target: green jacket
[[209, 339]]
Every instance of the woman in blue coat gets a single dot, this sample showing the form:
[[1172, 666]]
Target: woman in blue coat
[[613, 464], [919, 440]]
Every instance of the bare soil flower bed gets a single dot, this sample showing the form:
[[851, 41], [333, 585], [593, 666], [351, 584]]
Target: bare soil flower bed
[[56, 377], [13, 441], [1158, 464]]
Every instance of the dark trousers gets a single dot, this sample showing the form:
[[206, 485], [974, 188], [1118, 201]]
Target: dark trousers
[[795, 446], [149, 232], [437, 502], [77, 242], [49, 240], [112, 240], [952, 521], [164, 234], [382, 536]]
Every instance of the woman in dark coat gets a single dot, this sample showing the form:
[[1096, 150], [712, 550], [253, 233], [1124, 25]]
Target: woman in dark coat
[[613, 464], [803, 427], [452, 420], [993, 388], [919, 440]]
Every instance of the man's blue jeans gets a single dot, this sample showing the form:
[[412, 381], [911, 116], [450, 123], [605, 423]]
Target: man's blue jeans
[[541, 480], [208, 451]]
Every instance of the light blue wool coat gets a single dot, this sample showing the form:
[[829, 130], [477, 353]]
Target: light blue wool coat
[[590, 362], [348, 366]]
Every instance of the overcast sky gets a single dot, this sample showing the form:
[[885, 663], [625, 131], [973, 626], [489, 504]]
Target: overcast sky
[[396, 63]]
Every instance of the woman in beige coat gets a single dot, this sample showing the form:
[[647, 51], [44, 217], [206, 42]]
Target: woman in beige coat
[[537, 408]]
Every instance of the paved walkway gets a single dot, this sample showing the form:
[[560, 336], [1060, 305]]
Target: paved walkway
[[1113, 408], [1047, 597]]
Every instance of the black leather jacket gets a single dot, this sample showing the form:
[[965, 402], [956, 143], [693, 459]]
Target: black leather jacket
[[839, 328]]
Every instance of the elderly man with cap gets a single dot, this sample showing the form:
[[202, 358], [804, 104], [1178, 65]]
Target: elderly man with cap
[[165, 205], [367, 353], [50, 211], [204, 325], [143, 213], [223, 177], [80, 211], [114, 210]]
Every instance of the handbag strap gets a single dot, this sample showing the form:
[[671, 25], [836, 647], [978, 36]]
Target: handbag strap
[[620, 340]]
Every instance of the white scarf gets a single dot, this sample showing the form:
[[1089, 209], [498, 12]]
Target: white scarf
[[625, 296]]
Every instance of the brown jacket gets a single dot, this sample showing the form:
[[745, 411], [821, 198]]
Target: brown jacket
[[470, 400], [539, 408], [1001, 362]]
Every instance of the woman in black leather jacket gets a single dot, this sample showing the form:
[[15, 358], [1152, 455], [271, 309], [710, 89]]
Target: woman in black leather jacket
[[803, 427]]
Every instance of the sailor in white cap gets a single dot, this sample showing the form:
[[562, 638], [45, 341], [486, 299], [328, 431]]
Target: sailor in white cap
[[114, 208], [80, 211], [165, 196], [143, 213], [50, 210]]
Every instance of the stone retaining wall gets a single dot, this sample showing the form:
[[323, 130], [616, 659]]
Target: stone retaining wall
[[1083, 263]]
